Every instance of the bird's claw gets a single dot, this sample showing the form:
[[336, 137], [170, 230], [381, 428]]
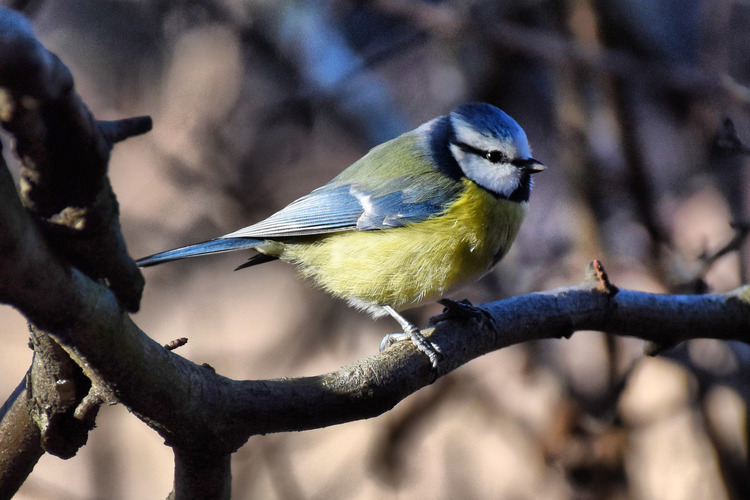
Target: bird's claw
[[423, 345], [460, 310]]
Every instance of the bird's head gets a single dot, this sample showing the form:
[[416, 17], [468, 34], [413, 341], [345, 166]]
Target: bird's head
[[490, 149]]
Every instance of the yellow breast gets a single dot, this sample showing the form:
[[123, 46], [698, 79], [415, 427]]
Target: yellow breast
[[404, 266]]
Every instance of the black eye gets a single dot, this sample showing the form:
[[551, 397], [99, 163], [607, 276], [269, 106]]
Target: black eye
[[495, 156]]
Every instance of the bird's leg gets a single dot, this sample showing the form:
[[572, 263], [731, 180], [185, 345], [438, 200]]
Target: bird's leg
[[412, 333]]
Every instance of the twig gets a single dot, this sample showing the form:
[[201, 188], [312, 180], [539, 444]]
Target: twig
[[555, 49], [727, 164]]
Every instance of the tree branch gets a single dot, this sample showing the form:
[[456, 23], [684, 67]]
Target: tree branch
[[199, 476], [56, 388], [64, 154], [20, 442]]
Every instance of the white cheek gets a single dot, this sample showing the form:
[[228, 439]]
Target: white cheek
[[500, 178], [458, 154]]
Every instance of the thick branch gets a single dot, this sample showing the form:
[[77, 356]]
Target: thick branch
[[20, 442], [64, 154], [57, 387], [201, 476]]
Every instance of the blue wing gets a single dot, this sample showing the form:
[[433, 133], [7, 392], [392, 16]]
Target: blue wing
[[341, 207], [396, 183]]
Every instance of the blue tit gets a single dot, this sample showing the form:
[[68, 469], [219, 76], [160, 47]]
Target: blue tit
[[414, 219]]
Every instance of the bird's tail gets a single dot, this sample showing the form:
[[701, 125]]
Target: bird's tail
[[207, 247]]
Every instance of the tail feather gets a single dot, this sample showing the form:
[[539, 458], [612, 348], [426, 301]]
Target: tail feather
[[218, 245]]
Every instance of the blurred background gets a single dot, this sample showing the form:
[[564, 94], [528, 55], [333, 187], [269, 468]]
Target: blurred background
[[638, 108]]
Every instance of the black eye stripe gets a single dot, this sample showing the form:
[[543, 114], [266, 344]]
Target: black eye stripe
[[492, 156]]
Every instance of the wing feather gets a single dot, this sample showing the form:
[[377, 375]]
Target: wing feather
[[373, 193], [346, 207]]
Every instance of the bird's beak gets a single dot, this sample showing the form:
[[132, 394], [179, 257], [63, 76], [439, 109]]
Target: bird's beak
[[533, 166]]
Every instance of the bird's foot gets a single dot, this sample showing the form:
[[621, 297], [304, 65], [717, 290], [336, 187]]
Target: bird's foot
[[460, 310], [412, 333], [420, 342]]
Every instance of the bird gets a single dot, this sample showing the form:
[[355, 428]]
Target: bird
[[414, 219]]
